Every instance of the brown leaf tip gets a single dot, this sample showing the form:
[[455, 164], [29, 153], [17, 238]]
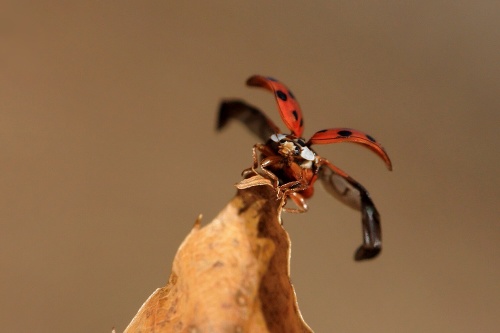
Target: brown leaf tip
[[197, 223]]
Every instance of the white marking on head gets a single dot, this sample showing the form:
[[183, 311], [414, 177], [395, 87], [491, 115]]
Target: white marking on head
[[277, 137], [307, 154], [287, 148]]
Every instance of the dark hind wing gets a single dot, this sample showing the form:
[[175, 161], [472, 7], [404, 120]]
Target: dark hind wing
[[251, 117], [350, 192]]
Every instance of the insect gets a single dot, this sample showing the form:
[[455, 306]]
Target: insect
[[293, 166]]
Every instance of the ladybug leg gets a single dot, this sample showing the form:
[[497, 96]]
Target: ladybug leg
[[291, 190], [255, 163], [277, 162], [298, 185], [350, 192], [263, 149], [271, 160], [293, 187], [301, 183], [299, 201]]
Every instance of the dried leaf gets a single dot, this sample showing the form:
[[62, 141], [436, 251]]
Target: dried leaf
[[231, 275], [256, 180]]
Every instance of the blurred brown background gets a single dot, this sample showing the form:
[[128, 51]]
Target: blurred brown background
[[108, 153]]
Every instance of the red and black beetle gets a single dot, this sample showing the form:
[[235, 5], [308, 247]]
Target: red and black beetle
[[292, 165]]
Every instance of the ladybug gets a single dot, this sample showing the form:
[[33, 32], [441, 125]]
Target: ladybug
[[293, 167]]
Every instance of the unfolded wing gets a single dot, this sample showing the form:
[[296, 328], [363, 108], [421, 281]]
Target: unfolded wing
[[251, 117], [289, 108], [350, 192], [336, 135]]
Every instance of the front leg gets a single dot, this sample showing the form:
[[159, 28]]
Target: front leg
[[275, 162], [270, 161], [257, 148]]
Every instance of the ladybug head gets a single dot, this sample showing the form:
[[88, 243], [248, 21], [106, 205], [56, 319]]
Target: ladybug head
[[291, 146]]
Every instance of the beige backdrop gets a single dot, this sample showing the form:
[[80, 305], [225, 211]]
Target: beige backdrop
[[108, 153]]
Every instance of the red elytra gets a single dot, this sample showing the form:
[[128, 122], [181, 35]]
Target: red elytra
[[293, 167]]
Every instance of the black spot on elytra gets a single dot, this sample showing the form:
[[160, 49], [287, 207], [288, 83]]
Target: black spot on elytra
[[344, 133], [371, 138], [295, 115], [301, 122], [281, 95]]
